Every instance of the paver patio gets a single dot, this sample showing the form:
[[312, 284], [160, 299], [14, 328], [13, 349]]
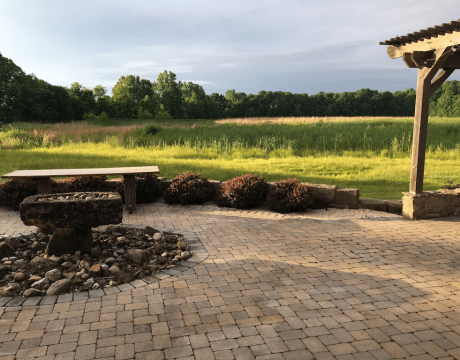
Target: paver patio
[[273, 287]]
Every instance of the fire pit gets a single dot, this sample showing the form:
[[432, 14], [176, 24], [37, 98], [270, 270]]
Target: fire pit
[[71, 216]]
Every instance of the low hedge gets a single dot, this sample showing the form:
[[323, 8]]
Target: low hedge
[[242, 192]]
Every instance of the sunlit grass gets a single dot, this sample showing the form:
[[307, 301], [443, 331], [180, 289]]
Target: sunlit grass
[[376, 176]]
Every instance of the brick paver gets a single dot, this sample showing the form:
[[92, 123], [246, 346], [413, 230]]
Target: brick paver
[[268, 286]]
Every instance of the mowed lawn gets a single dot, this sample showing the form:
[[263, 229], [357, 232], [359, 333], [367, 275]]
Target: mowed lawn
[[378, 177]]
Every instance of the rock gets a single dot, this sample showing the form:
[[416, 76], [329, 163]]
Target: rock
[[69, 275], [96, 286], [21, 264], [34, 278], [109, 261], [96, 251], [150, 231], [105, 270], [84, 264], [33, 292], [171, 239], [39, 246], [162, 260], [182, 245], [59, 287], [67, 264], [6, 249], [158, 249], [84, 276], [53, 275], [136, 255], [19, 277], [5, 290], [121, 238], [157, 236], [95, 270], [40, 265], [186, 255], [4, 269], [114, 269], [80, 273], [40, 283]]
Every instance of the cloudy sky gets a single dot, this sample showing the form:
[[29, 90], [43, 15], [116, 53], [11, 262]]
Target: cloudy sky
[[301, 46]]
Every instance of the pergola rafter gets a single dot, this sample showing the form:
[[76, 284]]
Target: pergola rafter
[[434, 52]]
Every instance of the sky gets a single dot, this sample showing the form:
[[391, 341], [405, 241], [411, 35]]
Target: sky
[[300, 46]]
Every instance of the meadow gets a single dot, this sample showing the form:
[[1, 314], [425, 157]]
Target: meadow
[[371, 154]]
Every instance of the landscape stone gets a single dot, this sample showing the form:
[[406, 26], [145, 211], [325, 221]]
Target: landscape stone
[[40, 283], [20, 276], [53, 275], [59, 287], [136, 255], [33, 292], [40, 265], [6, 250]]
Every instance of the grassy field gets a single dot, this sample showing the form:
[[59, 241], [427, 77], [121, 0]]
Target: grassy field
[[372, 155]]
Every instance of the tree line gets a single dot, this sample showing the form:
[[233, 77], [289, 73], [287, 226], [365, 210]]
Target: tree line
[[24, 97]]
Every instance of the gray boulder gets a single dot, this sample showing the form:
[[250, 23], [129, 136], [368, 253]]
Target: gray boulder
[[59, 287]]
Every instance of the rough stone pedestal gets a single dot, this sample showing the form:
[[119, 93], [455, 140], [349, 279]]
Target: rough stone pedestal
[[71, 215], [431, 204]]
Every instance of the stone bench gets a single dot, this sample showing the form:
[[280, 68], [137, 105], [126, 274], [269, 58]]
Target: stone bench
[[43, 178]]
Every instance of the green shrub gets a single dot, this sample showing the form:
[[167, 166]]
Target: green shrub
[[91, 116], [103, 116], [289, 196], [14, 191], [149, 129], [148, 188], [147, 115], [188, 189], [163, 115], [242, 192]]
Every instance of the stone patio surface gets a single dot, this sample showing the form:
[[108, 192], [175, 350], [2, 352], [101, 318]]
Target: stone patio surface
[[273, 287]]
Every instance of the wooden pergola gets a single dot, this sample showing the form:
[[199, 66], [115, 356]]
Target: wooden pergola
[[435, 52]]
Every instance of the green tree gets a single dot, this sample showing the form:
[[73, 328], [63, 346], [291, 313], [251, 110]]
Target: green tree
[[11, 78], [130, 94], [169, 92], [99, 91]]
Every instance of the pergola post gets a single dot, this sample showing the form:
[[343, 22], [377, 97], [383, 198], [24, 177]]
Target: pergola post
[[425, 88]]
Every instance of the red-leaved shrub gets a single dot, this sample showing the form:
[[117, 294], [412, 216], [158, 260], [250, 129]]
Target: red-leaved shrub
[[188, 189], [289, 196], [242, 192]]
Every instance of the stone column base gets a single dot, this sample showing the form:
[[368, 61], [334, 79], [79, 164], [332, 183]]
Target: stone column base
[[431, 204]]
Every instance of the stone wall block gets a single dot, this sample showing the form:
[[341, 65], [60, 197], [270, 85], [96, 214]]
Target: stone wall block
[[322, 194], [394, 206], [373, 204], [415, 206], [347, 196]]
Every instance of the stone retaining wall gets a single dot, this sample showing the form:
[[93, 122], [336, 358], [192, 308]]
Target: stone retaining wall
[[431, 204], [330, 196]]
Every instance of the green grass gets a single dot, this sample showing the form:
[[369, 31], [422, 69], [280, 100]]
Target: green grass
[[376, 176], [371, 155]]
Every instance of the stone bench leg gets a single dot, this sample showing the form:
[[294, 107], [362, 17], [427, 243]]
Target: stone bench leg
[[130, 192], [43, 185]]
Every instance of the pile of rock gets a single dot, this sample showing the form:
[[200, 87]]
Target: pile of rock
[[119, 255]]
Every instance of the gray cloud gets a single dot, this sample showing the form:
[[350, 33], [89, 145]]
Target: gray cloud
[[290, 45]]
